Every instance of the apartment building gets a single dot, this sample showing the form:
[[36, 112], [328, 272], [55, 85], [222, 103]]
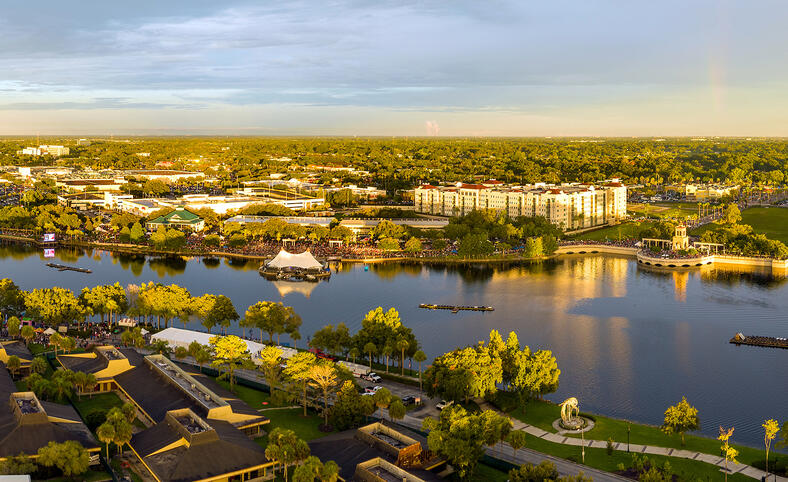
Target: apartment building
[[569, 206]]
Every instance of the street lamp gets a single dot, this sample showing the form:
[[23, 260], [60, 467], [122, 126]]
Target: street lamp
[[628, 424]]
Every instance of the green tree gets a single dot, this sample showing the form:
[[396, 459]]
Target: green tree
[[461, 437], [106, 434], [388, 244], [533, 247], [137, 233], [69, 457], [397, 409], [681, 418], [27, 333], [12, 301], [13, 326], [402, 345], [516, 440], [350, 408], [475, 245], [14, 363], [230, 353], [413, 245], [370, 349], [729, 453], [285, 447], [271, 366], [53, 306], [464, 373], [298, 372], [770, 429], [38, 365], [268, 317], [17, 465], [323, 377]]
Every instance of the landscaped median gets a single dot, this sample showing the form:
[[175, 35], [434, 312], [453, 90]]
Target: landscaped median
[[542, 414]]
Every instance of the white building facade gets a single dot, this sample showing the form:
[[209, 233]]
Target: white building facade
[[568, 206]]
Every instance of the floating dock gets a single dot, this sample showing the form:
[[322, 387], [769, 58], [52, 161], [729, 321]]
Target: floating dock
[[62, 267], [767, 341], [455, 309]]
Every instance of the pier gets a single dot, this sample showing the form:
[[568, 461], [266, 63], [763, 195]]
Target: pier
[[766, 341], [62, 267], [455, 309]]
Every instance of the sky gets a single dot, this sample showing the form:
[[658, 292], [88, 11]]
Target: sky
[[395, 68]]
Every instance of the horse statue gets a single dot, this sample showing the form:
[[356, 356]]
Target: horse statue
[[568, 407]]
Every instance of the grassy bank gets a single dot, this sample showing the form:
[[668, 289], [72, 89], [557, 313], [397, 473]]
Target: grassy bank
[[663, 210], [770, 221], [623, 231], [542, 414]]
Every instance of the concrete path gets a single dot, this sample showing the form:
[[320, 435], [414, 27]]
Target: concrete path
[[646, 449]]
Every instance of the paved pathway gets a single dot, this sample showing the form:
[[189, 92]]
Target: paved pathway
[[646, 449]]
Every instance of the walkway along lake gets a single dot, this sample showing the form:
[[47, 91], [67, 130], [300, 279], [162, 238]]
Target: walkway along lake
[[629, 340]]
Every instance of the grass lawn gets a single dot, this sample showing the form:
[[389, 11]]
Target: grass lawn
[[663, 210], [773, 222], [542, 414], [289, 418], [687, 470], [485, 473], [102, 401], [623, 231]]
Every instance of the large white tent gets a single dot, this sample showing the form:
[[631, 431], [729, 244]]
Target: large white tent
[[303, 260], [176, 337]]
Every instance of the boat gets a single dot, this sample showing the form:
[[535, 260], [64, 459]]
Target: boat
[[62, 267], [455, 309]]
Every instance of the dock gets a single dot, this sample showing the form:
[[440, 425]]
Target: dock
[[62, 267], [455, 309], [765, 341]]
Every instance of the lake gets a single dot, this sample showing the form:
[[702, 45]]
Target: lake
[[629, 341]]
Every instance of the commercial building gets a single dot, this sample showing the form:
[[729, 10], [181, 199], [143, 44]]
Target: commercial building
[[164, 174], [44, 150], [197, 430], [27, 423], [79, 185], [705, 192], [568, 206], [179, 218]]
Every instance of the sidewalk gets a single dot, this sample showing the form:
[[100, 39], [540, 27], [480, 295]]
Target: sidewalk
[[503, 451], [646, 449]]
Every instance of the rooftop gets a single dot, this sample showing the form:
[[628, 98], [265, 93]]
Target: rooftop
[[196, 391]]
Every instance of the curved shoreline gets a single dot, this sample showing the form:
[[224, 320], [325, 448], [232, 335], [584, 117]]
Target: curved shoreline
[[779, 267]]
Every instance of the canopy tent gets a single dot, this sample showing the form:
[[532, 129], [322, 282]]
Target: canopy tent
[[130, 322], [50, 331], [176, 337], [303, 260]]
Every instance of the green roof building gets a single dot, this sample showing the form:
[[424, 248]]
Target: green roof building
[[179, 218]]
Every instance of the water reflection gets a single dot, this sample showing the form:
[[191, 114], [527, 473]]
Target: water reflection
[[167, 266]]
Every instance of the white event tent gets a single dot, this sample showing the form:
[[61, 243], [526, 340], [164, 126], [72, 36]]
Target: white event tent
[[303, 260], [176, 337]]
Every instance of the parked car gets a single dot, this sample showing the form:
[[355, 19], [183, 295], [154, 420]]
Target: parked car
[[410, 400], [443, 404], [373, 389], [371, 377]]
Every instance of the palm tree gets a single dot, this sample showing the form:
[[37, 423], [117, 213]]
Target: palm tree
[[55, 339], [353, 353], [38, 365], [106, 433], [90, 383], [402, 345], [370, 348], [201, 357], [388, 350], [419, 356]]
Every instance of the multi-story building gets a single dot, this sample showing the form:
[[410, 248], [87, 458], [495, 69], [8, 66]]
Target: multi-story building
[[569, 206], [56, 151]]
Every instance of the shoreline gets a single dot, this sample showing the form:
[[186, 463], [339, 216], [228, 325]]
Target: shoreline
[[777, 267]]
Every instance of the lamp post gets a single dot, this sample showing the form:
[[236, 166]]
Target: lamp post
[[628, 424]]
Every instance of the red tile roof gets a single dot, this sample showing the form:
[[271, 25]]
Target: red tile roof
[[472, 186]]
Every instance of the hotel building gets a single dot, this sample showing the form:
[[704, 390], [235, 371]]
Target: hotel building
[[568, 206]]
